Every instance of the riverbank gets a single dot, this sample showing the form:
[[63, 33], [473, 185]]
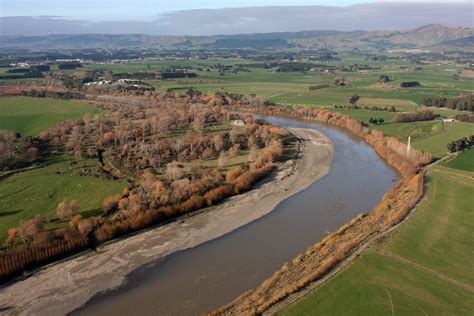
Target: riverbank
[[323, 257], [63, 287]]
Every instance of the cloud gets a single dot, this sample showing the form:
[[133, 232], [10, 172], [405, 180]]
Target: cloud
[[373, 16]]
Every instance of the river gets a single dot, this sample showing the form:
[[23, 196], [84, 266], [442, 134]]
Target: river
[[197, 280]]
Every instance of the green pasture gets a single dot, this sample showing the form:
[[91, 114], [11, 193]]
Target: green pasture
[[39, 191], [425, 268], [30, 116], [463, 161]]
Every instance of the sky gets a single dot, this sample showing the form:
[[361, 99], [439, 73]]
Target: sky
[[147, 10], [211, 17]]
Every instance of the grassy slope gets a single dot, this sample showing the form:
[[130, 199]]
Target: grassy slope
[[437, 143], [30, 116], [463, 161], [374, 282], [437, 237], [39, 191], [26, 194], [430, 136]]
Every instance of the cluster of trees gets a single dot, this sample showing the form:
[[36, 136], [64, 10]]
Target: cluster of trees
[[177, 74], [376, 120], [282, 66], [16, 151], [69, 65], [34, 71], [461, 144], [25, 257], [318, 86], [152, 140], [410, 84], [423, 115], [384, 79], [24, 75], [40, 92], [136, 75], [469, 118], [65, 95], [366, 107], [155, 200], [353, 99], [160, 131], [356, 67], [465, 103]]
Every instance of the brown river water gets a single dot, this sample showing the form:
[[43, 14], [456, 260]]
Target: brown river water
[[200, 279]]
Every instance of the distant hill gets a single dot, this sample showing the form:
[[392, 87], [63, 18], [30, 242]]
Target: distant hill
[[75, 41], [427, 36], [464, 42]]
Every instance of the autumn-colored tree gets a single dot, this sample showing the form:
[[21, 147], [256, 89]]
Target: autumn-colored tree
[[110, 203], [67, 209], [217, 194], [12, 233], [273, 151], [234, 150], [174, 171], [232, 174], [29, 229]]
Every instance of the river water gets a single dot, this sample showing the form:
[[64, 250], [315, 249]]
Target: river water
[[197, 280]]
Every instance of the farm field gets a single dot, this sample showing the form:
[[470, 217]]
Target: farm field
[[30, 116], [422, 268], [463, 161], [436, 144], [26, 194], [293, 89], [430, 136], [39, 191]]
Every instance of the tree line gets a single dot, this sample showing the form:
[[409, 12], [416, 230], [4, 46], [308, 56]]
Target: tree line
[[16, 151], [423, 115], [465, 103], [461, 144]]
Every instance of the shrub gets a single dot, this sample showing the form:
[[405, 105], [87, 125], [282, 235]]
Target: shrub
[[67, 209], [468, 118], [423, 115], [110, 203], [217, 194], [410, 84], [234, 173], [193, 203]]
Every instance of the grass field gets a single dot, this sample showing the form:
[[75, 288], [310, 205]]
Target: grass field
[[425, 267], [39, 191], [292, 87], [464, 161], [30, 116], [436, 144]]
